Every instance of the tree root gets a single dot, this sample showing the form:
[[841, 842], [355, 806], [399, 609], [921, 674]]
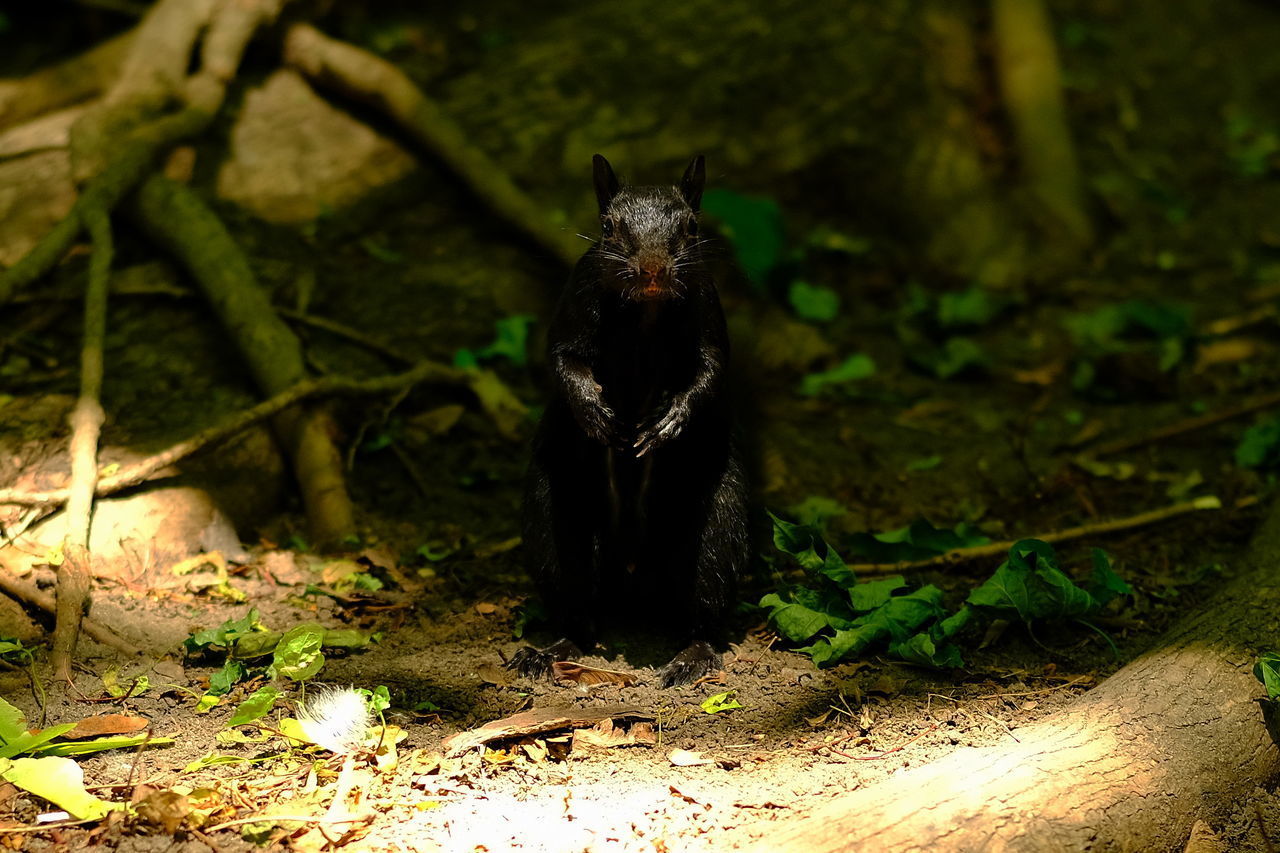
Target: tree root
[[78, 79], [365, 77], [177, 219], [75, 575], [28, 592]]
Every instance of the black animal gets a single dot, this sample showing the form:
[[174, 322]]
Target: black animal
[[636, 501]]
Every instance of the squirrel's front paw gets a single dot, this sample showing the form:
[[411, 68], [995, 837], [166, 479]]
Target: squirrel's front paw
[[666, 428]]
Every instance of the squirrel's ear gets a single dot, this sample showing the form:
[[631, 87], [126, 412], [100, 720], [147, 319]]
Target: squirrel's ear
[[694, 178], [606, 182]]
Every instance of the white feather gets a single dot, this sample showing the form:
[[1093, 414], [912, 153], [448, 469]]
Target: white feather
[[336, 718]]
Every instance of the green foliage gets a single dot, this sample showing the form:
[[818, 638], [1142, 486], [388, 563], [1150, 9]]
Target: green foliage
[[970, 308], [853, 368], [840, 617], [753, 225], [295, 654], [720, 702], [511, 341], [1259, 447], [1253, 145], [1267, 670], [257, 706], [1161, 329], [815, 511], [813, 302], [955, 357], [1030, 586]]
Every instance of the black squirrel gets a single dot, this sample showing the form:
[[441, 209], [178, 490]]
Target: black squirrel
[[636, 499]]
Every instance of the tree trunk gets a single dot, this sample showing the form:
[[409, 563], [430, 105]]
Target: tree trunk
[[1174, 737]]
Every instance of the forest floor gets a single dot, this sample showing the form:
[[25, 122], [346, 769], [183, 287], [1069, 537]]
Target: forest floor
[[1007, 442]]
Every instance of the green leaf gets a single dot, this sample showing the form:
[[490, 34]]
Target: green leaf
[[1030, 585], [970, 308], [918, 541], [1259, 447], [923, 651], [32, 741], [1104, 584], [815, 511], [12, 722], [956, 356], [813, 302], [1267, 670], [60, 781], [88, 747], [826, 238], [721, 702], [852, 369], [793, 621], [380, 699], [927, 463], [869, 595], [752, 225], [222, 680], [803, 543], [893, 621], [225, 634], [511, 340], [298, 655], [256, 706]]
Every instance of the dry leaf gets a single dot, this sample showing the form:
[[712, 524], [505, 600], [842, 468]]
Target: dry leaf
[[165, 809], [485, 608], [687, 758], [1230, 351], [495, 548], [606, 734], [578, 673], [107, 724], [535, 749], [1044, 375], [437, 421], [539, 721], [495, 675]]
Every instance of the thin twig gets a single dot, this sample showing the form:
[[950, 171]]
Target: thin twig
[[897, 748], [269, 818], [30, 593], [1208, 419], [331, 385], [1101, 528]]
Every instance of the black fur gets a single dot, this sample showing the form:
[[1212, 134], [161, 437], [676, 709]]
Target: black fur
[[636, 497]]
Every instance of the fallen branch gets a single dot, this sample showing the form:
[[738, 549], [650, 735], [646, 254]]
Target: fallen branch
[[144, 469], [74, 575], [1267, 401], [1100, 528], [361, 75]]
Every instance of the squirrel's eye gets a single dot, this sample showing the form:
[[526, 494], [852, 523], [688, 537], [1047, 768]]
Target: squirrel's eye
[[606, 227], [691, 227]]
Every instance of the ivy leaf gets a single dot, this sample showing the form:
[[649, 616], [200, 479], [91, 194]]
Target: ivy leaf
[[1104, 584], [225, 634], [970, 308], [869, 595], [923, 651], [1259, 447], [753, 225], [813, 302], [1030, 585], [895, 620], [726, 701], [1267, 670], [792, 620], [853, 368], [956, 356], [803, 542], [256, 706], [918, 541], [298, 655]]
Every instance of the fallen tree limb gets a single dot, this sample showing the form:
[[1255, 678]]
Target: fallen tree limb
[[144, 469], [177, 219], [361, 75], [1173, 737], [1100, 528], [75, 575]]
